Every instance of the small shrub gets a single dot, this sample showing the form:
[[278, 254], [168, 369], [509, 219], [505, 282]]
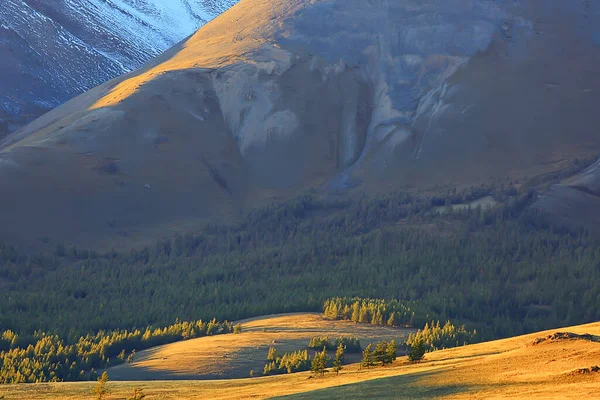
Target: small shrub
[[237, 329], [272, 355], [138, 394], [100, 389], [131, 357]]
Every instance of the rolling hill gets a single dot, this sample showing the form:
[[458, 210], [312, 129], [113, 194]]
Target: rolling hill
[[546, 365], [234, 356], [295, 150]]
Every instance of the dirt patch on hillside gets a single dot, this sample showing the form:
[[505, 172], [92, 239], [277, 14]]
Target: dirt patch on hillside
[[558, 336], [586, 371]]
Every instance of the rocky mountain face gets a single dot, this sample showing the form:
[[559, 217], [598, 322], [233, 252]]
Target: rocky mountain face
[[275, 96], [51, 51]]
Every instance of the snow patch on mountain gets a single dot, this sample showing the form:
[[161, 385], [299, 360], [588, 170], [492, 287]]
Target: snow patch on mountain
[[53, 51]]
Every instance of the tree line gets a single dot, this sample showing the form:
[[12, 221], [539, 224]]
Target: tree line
[[300, 360], [49, 358], [350, 343], [503, 271], [289, 363], [382, 353], [436, 337], [371, 311], [383, 312]]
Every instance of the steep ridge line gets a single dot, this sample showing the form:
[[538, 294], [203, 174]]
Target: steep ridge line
[[53, 51]]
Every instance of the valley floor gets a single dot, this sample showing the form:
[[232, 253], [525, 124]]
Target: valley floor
[[556, 367]]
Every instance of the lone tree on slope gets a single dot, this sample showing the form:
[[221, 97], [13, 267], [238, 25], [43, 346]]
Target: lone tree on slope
[[100, 389], [319, 363], [417, 352], [339, 359], [367, 356]]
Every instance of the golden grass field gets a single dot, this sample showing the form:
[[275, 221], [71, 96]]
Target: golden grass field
[[233, 356], [510, 368]]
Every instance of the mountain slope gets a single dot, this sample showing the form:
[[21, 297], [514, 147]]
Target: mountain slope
[[554, 368], [276, 96], [53, 51]]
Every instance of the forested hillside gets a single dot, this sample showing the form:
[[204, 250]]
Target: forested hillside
[[49, 358], [502, 272]]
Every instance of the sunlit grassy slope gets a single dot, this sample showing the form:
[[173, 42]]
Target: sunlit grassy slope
[[510, 368], [233, 356]]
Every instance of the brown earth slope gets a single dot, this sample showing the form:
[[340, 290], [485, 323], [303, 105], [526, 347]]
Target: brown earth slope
[[276, 96]]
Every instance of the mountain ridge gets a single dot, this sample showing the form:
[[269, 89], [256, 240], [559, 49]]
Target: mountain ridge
[[275, 97], [55, 51]]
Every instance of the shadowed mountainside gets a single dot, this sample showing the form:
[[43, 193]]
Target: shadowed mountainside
[[277, 96], [51, 51]]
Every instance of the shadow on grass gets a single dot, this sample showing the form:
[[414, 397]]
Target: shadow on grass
[[476, 355], [413, 386]]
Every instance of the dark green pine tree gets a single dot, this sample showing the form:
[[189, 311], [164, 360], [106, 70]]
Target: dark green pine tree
[[390, 352], [355, 312], [319, 362], [339, 359], [380, 352], [417, 352], [392, 319], [367, 356], [363, 316], [377, 318], [272, 355]]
